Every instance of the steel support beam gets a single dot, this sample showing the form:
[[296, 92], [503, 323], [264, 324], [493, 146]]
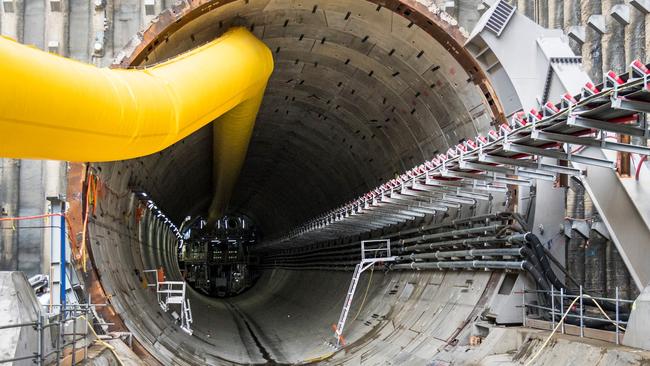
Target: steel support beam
[[510, 147], [487, 178], [576, 120], [619, 211], [630, 105], [412, 204], [584, 141], [506, 170], [530, 164]]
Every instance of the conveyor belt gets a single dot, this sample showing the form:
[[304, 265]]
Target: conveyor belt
[[510, 155]]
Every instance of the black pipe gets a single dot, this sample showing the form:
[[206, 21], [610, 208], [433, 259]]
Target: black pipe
[[538, 248], [536, 244], [537, 276]]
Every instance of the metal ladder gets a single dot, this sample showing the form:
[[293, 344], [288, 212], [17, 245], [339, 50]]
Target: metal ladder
[[186, 320], [379, 254], [347, 304]]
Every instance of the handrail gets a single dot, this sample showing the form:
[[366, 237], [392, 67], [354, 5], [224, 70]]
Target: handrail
[[78, 312], [553, 310]]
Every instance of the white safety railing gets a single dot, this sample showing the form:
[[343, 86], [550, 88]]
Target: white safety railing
[[372, 252], [173, 293]]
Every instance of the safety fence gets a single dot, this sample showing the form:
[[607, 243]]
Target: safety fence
[[61, 337], [595, 317]]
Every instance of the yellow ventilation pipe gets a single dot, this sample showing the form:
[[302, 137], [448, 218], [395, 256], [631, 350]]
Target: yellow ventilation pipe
[[56, 108]]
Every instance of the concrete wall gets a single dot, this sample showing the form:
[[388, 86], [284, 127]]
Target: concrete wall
[[9, 183], [24, 186], [17, 305], [614, 50]]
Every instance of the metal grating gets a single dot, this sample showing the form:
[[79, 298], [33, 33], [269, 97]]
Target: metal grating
[[500, 17]]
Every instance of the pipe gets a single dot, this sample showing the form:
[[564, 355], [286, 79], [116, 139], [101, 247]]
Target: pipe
[[639, 166], [353, 247], [548, 273], [538, 248], [475, 230], [465, 253], [230, 142], [537, 276], [560, 266], [457, 242], [460, 265], [420, 229], [513, 265], [103, 115]]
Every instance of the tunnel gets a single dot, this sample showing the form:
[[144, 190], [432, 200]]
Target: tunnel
[[409, 191], [361, 92]]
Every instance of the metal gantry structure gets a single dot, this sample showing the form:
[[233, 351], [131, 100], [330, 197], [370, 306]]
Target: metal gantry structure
[[604, 116]]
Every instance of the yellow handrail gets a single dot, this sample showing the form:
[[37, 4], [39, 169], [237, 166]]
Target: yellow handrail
[[52, 107]]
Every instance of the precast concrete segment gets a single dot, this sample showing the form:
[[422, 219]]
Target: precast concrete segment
[[288, 312], [518, 346], [104, 115]]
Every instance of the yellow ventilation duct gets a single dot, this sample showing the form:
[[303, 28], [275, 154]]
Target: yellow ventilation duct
[[56, 108]]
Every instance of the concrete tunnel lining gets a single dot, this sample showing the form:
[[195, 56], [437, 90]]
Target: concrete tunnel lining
[[338, 95], [360, 92]]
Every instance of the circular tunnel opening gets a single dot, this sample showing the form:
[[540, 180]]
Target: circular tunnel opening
[[361, 91]]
